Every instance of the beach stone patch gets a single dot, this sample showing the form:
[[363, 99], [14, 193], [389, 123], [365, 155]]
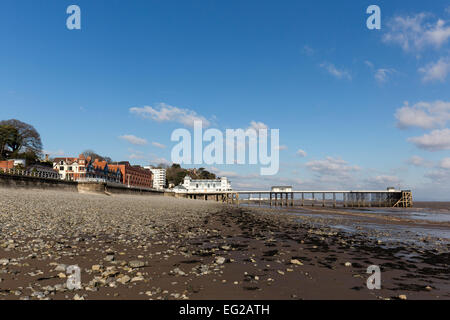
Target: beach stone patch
[[136, 264]]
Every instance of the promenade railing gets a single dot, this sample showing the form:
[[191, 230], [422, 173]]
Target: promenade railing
[[32, 173]]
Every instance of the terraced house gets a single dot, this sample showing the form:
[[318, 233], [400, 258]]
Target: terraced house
[[134, 176], [83, 168]]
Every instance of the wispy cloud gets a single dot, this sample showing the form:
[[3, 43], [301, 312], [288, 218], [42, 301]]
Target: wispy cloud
[[441, 172], [382, 75], [308, 50], [166, 113], [382, 181], [57, 153], [301, 153], [369, 64], [136, 155], [282, 147], [160, 160], [417, 32], [158, 145], [419, 162], [257, 125], [334, 71], [331, 166], [436, 71], [133, 139]]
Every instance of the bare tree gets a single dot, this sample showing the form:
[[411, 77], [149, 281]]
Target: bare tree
[[94, 155], [22, 139]]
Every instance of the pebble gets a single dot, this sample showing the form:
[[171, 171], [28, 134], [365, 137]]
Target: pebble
[[96, 267], [220, 260], [296, 262], [124, 279], [61, 267], [110, 258], [136, 264]]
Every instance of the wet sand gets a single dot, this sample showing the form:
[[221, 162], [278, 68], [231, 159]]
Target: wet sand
[[150, 247]]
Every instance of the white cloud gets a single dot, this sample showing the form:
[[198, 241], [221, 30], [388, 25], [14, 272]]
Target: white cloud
[[445, 163], [383, 181], [417, 32], [301, 153], [419, 162], [425, 115], [436, 71], [133, 139], [257, 125], [435, 141], [331, 166], [167, 113], [338, 73], [158, 145], [382, 75], [282, 147]]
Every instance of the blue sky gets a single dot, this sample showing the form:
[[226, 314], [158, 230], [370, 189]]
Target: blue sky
[[369, 108]]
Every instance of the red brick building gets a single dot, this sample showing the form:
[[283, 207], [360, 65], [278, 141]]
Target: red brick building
[[8, 164], [134, 176], [11, 164]]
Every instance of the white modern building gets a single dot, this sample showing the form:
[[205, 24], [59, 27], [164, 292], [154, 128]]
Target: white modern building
[[281, 189], [159, 177], [206, 185]]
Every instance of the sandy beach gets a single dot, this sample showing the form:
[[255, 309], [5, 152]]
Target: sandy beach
[[154, 247]]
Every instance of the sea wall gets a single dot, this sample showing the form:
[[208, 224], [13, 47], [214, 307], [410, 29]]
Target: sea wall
[[116, 188], [19, 181]]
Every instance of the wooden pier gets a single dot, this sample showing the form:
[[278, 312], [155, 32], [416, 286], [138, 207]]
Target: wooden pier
[[345, 199]]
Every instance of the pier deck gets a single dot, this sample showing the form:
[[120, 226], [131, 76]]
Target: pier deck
[[334, 198]]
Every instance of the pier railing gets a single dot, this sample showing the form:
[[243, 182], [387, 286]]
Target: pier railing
[[345, 199]]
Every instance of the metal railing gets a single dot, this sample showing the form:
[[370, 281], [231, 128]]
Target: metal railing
[[27, 173]]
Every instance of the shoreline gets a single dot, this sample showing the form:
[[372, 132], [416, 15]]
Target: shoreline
[[134, 247]]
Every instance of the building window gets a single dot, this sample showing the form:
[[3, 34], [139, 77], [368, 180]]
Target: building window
[[61, 168]]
